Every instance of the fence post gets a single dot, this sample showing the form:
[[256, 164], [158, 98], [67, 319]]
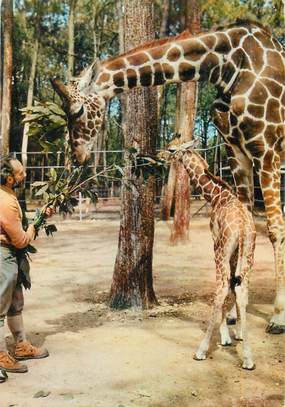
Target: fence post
[[80, 206]]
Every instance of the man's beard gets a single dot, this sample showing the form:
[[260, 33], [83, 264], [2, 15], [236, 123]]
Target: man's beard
[[18, 184]]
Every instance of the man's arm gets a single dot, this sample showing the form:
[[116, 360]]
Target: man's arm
[[11, 224]]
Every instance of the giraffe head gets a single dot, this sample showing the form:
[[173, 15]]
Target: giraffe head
[[178, 151], [85, 115]]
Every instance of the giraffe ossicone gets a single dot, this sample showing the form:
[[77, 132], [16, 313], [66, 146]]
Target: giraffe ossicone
[[247, 66]]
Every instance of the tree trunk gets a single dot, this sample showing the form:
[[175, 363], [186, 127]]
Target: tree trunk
[[168, 193], [1, 78], [185, 127], [7, 76], [95, 40], [165, 17], [163, 33], [132, 280], [30, 101], [70, 56]]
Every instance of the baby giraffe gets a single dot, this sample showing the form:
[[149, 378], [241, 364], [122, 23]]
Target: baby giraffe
[[234, 235]]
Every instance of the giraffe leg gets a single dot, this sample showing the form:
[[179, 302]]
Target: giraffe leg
[[270, 183], [216, 316], [225, 334], [242, 171], [241, 166], [238, 330], [232, 314], [224, 330], [242, 300], [222, 276]]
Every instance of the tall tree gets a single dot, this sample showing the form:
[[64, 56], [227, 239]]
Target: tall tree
[[70, 56], [163, 33], [132, 284], [7, 76], [38, 11], [178, 187], [0, 61]]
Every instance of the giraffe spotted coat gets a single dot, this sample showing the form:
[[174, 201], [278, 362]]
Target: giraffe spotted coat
[[234, 236], [246, 64]]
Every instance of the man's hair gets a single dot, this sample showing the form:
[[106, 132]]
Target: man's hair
[[6, 168]]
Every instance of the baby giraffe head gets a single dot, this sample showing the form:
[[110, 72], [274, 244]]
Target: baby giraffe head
[[85, 115], [177, 151]]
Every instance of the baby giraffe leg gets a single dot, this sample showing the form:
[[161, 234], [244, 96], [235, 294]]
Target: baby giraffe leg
[[225, 335], [216, 316], [237, 330], [222, 276], [224, 330], [241, 295], [232, 314]]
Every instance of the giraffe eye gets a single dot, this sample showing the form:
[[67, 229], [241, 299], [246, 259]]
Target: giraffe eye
[[75, 115]]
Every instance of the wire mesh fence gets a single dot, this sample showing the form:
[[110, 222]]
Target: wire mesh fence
[[39, 165]]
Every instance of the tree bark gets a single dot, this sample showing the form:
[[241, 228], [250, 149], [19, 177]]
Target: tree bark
[[168, 193], [7, 76], [185, 127], [163, 33], [30, 101], [1, 68], [70, 56], [95, 40], [165, 17], [132, 284]]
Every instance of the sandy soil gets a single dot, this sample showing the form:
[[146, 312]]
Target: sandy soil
[[100, 358]]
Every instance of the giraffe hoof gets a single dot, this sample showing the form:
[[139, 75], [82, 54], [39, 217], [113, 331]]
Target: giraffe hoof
[[231, 321], [199, 357], [275, 329], [251, 366], [226, 344]]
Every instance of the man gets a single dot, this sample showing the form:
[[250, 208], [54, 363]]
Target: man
[[13, 237]]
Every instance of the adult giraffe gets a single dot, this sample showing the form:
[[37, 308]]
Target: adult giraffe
[[247, 66]]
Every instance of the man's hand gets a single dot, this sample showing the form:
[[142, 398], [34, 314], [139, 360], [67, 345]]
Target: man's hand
[[49, 212]]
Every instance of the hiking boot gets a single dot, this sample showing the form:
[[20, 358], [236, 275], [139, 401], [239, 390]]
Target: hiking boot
[[3, 376], [25, 351], [9, 364]]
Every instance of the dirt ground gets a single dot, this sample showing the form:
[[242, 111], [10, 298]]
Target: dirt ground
[[100, 358]]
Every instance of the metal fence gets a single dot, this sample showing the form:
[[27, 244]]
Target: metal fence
[[39, 165]]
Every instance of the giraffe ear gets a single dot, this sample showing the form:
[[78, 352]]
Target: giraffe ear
[[196, 143], [190, 145], [86, 76]]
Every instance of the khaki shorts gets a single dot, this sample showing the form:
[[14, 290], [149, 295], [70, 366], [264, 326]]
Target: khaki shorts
[[11, 293]]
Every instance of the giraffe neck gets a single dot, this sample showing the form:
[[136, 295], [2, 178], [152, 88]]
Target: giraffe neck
[[211, 188], [178, 59]]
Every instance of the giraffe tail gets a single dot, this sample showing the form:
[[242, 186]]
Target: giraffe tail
[[243, 248]]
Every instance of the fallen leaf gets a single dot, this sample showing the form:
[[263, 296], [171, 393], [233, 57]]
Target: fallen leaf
[[41, 393]]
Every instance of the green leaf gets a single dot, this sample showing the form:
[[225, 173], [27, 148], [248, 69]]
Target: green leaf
[[56, 109], [38, 184], [31, 118], [31, 249], [53, 174], [57, 120], [132, 150], [120, 169], [50, 229], [42, 190]]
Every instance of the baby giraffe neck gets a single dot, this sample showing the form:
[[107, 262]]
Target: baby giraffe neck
[[211, 190]]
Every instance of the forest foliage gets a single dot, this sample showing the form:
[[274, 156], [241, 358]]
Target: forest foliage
[[96, 35]]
